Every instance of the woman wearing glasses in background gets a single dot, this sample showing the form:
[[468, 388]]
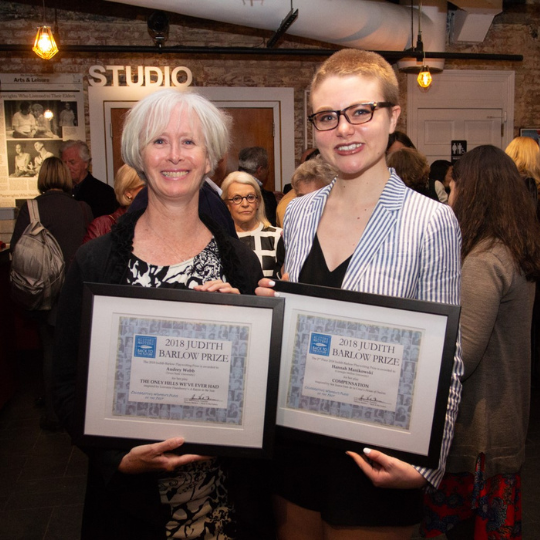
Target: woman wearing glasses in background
[[364, 232], [243, 197]]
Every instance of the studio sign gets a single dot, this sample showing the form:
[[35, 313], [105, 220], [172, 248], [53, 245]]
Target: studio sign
[[145, 76]]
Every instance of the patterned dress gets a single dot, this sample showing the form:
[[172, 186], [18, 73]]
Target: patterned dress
[[199, 506]]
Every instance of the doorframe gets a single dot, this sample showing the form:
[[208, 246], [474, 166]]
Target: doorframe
[[452, 89], [281, 100]]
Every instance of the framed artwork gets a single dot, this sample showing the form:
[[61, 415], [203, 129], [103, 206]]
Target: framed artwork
[[361, 369], [162, 363]]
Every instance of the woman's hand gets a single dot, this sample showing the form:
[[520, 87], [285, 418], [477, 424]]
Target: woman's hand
[[388, 472], [216, 285], [266, 285], [156, 457]]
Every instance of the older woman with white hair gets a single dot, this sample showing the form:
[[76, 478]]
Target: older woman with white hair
[[242, 194], [172, 139]]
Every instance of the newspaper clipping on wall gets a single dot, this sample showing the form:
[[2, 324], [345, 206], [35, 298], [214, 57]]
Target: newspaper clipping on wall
[[38, 113]]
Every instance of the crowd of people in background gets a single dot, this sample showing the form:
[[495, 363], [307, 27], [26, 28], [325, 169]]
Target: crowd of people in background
[[175, 218]]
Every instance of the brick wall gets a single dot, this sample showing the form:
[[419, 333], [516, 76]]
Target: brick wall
[[514, 32]]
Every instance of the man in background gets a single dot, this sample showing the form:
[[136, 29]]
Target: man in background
[[100, 196], [254, 160]]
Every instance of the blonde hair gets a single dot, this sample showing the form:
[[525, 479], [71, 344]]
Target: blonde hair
[[356, 62], [150, 116], [525, 153], [314, 170], [54, 174], [126, 178], [241, 177]]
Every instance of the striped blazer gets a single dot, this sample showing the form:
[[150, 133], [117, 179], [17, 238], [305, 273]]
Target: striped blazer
[[410, 248]]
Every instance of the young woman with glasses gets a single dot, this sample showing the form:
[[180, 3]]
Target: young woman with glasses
[[364, 232], [243, 197]]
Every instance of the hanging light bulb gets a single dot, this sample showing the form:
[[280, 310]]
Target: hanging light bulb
[[424, 77], [44, 44]]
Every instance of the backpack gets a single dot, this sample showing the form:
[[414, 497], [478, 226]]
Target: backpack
[[37, 266]]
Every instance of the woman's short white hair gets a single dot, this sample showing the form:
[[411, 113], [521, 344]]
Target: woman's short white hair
[[245, 178], [150, 116]]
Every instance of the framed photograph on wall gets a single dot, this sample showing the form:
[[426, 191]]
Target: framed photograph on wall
[[361, 369], [162, 363], [533, 133]]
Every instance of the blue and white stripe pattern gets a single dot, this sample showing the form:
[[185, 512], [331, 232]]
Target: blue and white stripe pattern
[[410, 248]]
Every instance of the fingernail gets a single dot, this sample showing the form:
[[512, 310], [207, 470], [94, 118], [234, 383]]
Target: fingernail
[[367, 451], [271, 283], [276, 294]]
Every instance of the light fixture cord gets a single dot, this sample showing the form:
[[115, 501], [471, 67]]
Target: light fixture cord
[[412, 25]]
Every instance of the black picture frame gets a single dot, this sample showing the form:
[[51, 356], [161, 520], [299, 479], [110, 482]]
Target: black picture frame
[[414, 435], [122, 326]]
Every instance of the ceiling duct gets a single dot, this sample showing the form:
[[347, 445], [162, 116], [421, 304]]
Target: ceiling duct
[[362, 24]]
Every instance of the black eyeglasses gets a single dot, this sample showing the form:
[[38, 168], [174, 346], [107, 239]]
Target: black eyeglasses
[[249, 198], [360, 113]]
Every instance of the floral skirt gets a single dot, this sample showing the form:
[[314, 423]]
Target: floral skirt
[[495, 504]]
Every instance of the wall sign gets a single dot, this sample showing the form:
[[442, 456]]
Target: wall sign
[[149, 76], [37, 113], [457, 148]]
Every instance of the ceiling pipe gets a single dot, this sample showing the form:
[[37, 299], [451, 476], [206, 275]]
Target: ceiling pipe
[[246, 51]]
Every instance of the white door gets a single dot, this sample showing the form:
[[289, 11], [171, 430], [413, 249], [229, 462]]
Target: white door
[[438, 127], [472, 105]]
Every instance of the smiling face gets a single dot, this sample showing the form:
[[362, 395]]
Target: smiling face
[[244, 214], [355, 150], [175, 161]]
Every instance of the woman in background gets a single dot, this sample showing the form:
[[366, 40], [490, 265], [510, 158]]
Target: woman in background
[[440, 171], [127, 184], [243, 197], [480, 495], [66, 219], [413, 168], [526, 155]]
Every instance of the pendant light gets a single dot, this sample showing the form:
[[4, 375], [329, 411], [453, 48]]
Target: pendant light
[[424, 77], [44, 44]]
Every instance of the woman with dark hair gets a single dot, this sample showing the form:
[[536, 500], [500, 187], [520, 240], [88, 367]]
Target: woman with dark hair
[[66, 219], [440, 174], [412, 167], [398, 140], [480, 495]]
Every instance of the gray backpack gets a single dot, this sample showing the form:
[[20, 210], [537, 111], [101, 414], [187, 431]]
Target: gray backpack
[[37, 266]]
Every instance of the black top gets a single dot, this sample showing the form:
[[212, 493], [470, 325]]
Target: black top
[[210, 204], [270, 205], [315, 270], [65, 218], [97, 194]]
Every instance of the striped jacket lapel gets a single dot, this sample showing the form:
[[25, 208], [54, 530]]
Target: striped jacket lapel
[[379, 226]]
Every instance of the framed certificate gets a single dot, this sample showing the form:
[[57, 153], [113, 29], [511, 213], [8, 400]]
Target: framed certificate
[[161, 363], [361, 369]]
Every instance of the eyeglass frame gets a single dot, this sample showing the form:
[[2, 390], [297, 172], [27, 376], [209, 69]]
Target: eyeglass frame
[[240, 199], [374, 105]]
